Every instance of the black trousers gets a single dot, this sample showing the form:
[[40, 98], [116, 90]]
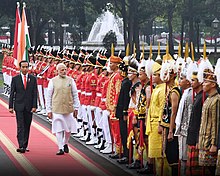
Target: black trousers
[[124, 135], [172, 152], [23, 119]]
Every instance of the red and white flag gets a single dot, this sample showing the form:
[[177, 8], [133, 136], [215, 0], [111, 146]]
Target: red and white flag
[[16, 36], [24, 40]]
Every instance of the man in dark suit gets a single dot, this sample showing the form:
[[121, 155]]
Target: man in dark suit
[[23, 100], [122, 110]]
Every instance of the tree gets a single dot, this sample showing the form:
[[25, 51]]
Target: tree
[[187, 16], [7, 16]]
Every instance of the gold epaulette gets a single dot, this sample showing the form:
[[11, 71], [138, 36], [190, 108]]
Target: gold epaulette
[[135, 112]]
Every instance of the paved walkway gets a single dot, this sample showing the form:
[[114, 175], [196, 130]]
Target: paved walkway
[[42, 158]]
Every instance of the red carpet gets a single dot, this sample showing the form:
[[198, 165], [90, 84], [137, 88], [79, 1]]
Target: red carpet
[[42, 151]]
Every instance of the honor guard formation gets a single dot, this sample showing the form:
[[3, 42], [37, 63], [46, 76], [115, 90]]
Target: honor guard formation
[[159, 115]]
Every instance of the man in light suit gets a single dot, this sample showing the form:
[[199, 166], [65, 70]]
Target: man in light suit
[[23, 100]]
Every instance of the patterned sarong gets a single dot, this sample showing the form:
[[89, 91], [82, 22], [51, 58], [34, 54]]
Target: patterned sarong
[[192, 165], [206, 159]]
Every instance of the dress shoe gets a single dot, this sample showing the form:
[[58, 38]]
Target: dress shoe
[[66, 148], [135, 165], [42, 112], [99, 145], [114, 156], [107, 149], [88, 138], [45, 114], [123, 160], [148, 169], [92, 141], [60, 152], [38, 109], [21, 150], [83, 138], [27, 150], [102, 146], [79, 134], [8, 94]]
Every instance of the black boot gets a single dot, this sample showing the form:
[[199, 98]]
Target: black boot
[[148, 169], [135, 165], [4, 88], [103, 145], [174, 170], [99, 140], [123, 160], [88, 138], [60, 152], [115, 156]]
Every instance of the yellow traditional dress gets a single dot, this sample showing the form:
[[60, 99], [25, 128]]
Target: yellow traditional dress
[[155, 112]]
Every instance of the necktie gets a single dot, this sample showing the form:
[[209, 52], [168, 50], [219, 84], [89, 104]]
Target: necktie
[[25, 82]]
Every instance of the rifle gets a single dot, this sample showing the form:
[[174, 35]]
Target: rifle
[[43, 71]]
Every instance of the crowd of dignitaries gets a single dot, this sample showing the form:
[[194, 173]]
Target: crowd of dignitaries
[[160, 117]]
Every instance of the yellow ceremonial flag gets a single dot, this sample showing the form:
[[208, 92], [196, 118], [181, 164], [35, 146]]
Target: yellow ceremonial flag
[[112, 49], [186, 50], [134, 50], [167, 56], [127, 49], [158, 52], [204, 50], [151, 53], [192, 52], [167, 49], [143, 51], [179, 50]]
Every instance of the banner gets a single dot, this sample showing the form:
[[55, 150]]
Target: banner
[[24, 42]]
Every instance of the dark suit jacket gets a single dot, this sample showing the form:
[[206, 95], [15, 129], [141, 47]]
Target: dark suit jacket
[[124, 98], [21, 98]]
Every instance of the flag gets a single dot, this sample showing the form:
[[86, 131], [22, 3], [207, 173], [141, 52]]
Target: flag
[[112, 49], [24, 43], [16, 39]]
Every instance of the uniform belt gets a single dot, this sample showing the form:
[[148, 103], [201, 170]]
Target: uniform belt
[[98, 94], [142, 115], [79, 91], [88, 93], [83, 92], [103, 99]]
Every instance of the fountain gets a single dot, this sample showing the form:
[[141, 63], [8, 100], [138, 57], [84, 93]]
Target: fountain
[[103, 24]]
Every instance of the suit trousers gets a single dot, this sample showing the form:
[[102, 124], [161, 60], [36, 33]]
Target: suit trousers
[[124, 135], [23, 119]]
